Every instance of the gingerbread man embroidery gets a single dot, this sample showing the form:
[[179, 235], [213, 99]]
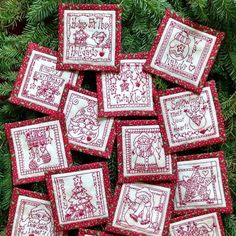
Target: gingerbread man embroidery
[[37, 140], [38, 223], [197, 185], [84, 126], [80, 205]]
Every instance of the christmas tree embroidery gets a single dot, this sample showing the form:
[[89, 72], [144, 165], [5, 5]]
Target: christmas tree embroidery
[[80, 205], [197, 185]]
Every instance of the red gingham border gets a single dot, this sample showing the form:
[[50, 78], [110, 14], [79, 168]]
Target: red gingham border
[[86, 223], [76, 147], [119, 231], [196, 144], [192, 215], [219, 37], [225, 184], [9, 126], [105, 7], [14, 95], [148, 178], [84, 232], [102, 113]]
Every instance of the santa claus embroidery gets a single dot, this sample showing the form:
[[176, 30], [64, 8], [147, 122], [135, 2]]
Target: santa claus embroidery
[[80, 205], [37, 140], [84, 126], [38, 223], [147, 150]]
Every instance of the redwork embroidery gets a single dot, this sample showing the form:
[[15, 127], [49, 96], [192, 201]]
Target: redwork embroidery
[[37, 140], [130, 88], [190, 117], [197, 185], [183, 51], [143, 151], [142, 209], [90, 37], [84, 126], [44, 84], [80, 205]]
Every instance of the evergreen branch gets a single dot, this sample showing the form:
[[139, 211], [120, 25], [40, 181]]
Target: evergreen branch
[[12, 11], [40, 10], [5, 89]]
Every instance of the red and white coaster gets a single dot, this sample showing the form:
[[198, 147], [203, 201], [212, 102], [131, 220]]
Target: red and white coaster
[[89, 232], [183, 52], [39, 85], [37, 146], [192, 224], [190, 120], [127, 93], [30, 214], [86, 132], [202, 184], [89, 37], [141, 209], [141, 155], [80, 196]]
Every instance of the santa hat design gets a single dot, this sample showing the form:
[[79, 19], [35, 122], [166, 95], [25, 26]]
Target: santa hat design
[[143, 139]]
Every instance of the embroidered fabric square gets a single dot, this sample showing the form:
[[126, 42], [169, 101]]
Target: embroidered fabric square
[[89, 37], [141, 209], [30, 214], [190, 120], [80, 195], [183, 51], [141, 154], [86, 131], [208, 224], [127, 93], [202, 184], [39, 85], [37, 146]]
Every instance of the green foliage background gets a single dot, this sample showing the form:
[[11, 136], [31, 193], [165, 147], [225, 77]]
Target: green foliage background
[[140, 20]]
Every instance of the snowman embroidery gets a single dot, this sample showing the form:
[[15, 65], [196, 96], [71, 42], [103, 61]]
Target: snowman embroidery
[[84, 126], [147, 151], [38, 223], [196, 113], [179, 46], [37, 141], [80, 205], [197, 186]]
